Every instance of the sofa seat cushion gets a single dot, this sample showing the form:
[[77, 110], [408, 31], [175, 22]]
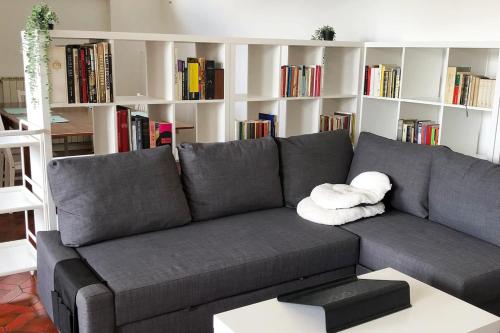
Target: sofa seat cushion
[[226, 178], [407, 165], [169, 270], [465, 195], [447, 259], [309, 160]]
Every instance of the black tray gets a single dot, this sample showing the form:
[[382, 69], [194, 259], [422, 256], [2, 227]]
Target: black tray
[[352, 302]]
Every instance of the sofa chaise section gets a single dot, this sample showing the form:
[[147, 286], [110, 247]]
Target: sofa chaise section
[[450, 260]]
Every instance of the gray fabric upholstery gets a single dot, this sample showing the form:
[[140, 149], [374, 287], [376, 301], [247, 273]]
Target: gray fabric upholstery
[[454, 262], [465, 195], [228, 178], [50, 251], [110, 196], [407, 165], [200, 319], [165, 271], [313, 159], [96, 311]]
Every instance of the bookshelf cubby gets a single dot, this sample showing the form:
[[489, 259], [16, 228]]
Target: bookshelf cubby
[[469, 130]]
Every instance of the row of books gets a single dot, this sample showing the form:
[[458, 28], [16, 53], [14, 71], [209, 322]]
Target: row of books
[[81, 73], [382, 81], [300, 81], [465, 88], [198, 78], [339, 120], [266, 125], [423, 132], [136, 131]]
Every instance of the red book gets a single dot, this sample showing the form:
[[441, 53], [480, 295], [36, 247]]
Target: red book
[[84, 96], [123, 129], [118, 131], [283, 81], [428, 135], [312, 82], [368, 81], [455, 95]]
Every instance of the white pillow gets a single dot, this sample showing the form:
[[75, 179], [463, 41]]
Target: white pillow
[[366, 188]]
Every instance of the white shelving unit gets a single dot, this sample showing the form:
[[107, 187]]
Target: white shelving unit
[[256, 82], [214, 120], [20, 255], [468, 130]]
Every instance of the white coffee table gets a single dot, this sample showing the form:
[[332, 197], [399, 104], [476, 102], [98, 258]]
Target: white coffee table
[[432, 311]]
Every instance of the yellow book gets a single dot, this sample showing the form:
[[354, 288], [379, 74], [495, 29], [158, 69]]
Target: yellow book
[[193, 87]]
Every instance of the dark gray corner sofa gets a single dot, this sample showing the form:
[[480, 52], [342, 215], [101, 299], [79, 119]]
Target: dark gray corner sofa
[[164, 252]]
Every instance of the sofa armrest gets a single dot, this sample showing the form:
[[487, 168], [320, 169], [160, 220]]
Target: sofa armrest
[[96, 311], [94, 302], [50, 251]]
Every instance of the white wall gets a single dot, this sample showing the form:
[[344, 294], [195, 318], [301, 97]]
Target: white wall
[[73, 14], [373, 20]]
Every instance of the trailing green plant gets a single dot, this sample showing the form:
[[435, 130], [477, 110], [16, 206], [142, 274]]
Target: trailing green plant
[[325, 32], [37, 42]]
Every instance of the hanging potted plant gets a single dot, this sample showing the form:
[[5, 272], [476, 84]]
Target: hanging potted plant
[[325, 32], [36, 35]]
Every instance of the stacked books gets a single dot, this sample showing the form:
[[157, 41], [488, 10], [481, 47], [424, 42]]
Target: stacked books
[[81, 73], [198, 78], [382, 81], [252, 129], [136, 131], [422, 132], [465, 88], [339, 120], [300, 81]]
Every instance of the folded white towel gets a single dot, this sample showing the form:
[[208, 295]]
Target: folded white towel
[[367, 188], [308, 210]]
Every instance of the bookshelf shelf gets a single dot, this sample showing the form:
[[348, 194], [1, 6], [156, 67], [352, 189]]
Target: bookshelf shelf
[[421, 101], [200, 101], [390, 99], [472, 108], [17, 199], [17, 256]]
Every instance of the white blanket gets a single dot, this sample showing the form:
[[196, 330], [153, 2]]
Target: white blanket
[[339, 204], [308, 210], [367, 188]]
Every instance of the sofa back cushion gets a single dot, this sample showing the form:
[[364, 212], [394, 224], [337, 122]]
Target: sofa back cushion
[[228, 178], [313, 159], [116, 195], [465, 195], [407, 165]]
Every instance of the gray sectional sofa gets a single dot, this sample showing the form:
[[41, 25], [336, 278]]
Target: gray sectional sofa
[[166, 252]]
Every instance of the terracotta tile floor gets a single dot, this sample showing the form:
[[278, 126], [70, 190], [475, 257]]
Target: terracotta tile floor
[[20, 308]]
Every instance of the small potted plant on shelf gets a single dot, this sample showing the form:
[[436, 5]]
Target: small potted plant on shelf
[[325, 32], [36, 35]]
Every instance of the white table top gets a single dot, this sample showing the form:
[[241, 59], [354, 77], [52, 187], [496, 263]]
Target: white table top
[[432, 311]]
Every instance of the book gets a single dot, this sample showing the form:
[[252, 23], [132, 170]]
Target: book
[[300, 80], [219, 83], [193, 79], [58, 74], [252, 129], [210, 79], [382, 80], [416, 131], [70, 74]]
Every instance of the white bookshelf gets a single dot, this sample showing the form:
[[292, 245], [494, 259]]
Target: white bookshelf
[[469, 130], [258, 66]]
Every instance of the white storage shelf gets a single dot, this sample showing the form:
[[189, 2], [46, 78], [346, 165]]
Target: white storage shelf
[[18, 141], [17, 199], [17, 256], [469, 130]]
